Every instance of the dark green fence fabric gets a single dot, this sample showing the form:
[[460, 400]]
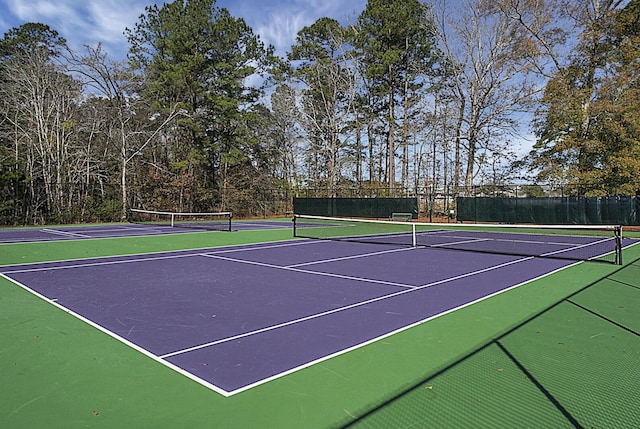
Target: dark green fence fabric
[[551, 210], [356, 207]]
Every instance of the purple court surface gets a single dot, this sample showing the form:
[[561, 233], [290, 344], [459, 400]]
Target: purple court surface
[[236, 317], [33, 234]]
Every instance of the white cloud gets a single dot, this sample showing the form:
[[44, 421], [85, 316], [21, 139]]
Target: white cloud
[[337, 9], [279, 22], [281, 29], [4, 25], [81, 22], [42, 10], [112, 17], [84, 22]]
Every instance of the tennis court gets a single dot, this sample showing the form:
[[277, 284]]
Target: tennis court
[[55, 233], [273, 332]]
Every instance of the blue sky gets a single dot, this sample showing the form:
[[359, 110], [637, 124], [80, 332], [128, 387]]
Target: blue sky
[[84, 22]]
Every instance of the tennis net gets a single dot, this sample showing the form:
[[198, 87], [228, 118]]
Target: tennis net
[[220, 221], [602, 243]]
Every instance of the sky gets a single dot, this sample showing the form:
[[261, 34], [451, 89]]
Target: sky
[[88, 22]]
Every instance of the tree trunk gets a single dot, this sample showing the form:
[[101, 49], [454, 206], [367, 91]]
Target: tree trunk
[[391, 143]]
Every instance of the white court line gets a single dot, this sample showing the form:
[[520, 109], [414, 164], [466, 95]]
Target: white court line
[[579, 247], [389, 334], [340, 309], [94, 264], [273, 224], [131, 228], [466, 239], [24, 240], [317, 273], [65, 233], [346, 258], [452, 243], [127, 259], [574, 246], [509, 240], [120, 338], [274, 245], [155, 230]]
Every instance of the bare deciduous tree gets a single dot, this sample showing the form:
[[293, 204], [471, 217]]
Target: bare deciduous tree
[[488, 55]]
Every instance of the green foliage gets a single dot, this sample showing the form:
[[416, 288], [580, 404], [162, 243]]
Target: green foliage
[[30, 37], [397, 42], [533, 191], [397, 47], [10, 181], [589, 129], [197, 54]]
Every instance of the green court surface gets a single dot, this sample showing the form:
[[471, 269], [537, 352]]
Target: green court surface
[[561, 351]]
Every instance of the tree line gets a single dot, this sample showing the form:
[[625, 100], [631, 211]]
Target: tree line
[[408, 95]]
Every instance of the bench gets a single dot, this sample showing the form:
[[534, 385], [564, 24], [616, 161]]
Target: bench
[[401, 217]]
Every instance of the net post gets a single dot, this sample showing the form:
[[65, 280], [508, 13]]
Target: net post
[[414, 237], [293, 219], [172, 219], [618, 233], [230, 216]]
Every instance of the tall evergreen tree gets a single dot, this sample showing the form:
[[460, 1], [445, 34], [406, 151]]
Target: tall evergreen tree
[[397, 44], [195, 53]]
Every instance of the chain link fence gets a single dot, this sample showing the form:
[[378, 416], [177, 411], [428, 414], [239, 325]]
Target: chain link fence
[[26, 203]]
